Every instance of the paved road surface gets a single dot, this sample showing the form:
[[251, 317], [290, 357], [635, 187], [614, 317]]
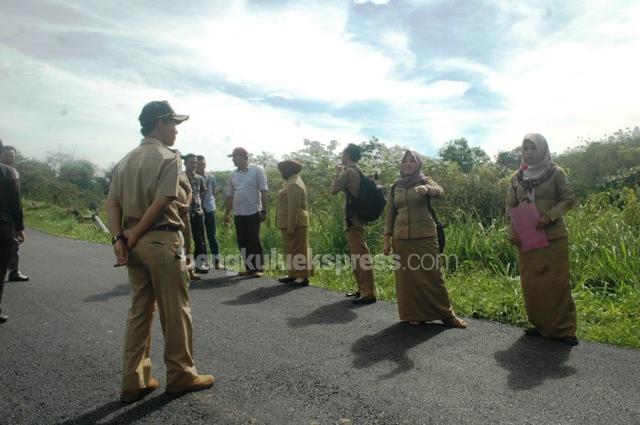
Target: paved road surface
[[287, 356]]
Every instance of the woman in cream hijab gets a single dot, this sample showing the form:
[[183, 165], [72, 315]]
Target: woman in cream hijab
[[544, 272]]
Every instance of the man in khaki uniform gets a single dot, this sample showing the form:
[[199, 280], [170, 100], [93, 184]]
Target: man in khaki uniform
[[144, 222], [347, 179]]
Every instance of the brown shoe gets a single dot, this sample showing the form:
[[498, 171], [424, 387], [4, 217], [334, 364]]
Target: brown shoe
[[130, 396], [455, 322], [199, 382], [193, 275], [251, 273]]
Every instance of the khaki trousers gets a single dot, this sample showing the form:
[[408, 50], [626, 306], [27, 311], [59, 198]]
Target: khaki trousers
[[361, 261], [157, 274]]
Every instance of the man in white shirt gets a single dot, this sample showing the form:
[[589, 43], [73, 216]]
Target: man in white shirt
[[247, 199]]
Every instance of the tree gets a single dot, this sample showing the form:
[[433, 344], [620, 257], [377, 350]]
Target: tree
[[79, 172], [510, 159], [466, 157]]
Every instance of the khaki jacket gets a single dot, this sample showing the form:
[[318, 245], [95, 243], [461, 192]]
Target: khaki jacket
[[407, 215], [348, 182], [554, 197], [147, 172], [292, 205]]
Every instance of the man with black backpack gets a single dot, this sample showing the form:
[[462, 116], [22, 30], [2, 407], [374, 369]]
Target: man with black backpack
[[360, 201]]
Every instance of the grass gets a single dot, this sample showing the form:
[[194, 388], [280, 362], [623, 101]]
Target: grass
[[483, 283]]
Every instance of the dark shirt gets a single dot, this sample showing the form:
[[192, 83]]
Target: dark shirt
[[10, 202]]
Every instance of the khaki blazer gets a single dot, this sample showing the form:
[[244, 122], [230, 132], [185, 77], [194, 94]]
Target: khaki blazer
[[149, 171], [407, 215], [292, 205], [553, 198], [348, 181]]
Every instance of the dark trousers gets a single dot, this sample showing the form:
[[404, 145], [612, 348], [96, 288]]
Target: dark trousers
[[210, 226], [6, 236], [248, 237], [13, 256], [199, 245]]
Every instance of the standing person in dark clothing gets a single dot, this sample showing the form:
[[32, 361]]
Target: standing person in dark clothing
[[196, 214], [11, 222], [15, 275], [209, 207]]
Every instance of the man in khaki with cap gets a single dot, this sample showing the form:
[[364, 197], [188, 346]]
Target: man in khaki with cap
[[144, 222]]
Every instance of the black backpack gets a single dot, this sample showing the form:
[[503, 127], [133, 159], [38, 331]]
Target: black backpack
[[371, 199]]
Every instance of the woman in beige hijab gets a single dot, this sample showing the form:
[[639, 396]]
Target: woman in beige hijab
[[411, 231], [293, 221], [544, 272]]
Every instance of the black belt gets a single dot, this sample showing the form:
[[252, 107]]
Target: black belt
[[167, 228]]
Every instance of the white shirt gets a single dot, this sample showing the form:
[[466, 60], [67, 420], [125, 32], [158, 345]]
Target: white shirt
[[244, 187]]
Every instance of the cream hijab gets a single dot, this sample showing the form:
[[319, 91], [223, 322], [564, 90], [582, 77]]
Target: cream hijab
[[538, 170]]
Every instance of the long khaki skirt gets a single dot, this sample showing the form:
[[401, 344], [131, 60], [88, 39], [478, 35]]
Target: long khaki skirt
[[544, 275], [422, 295], [297, 254]]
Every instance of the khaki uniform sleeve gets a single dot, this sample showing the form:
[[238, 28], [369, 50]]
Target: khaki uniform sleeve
[[115, 188], [168, 179], [432, 185], [294, 196], [566, 197], [339, 182], [390, 213], [512, 201]]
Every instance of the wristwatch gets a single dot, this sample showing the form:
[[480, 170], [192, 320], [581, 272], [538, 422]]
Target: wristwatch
[[117, 237]]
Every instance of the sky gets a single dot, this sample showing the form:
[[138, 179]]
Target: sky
[[268, 74]]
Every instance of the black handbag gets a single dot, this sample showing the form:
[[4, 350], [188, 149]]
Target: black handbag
[[442, 240]]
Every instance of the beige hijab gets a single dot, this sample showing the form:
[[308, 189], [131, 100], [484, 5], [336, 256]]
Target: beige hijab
[[531, 173]]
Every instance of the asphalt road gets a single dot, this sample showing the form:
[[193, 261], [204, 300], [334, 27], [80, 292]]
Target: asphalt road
[[287, 356]]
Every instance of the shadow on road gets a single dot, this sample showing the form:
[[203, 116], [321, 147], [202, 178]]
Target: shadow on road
[[212, 283], [531, 361], [331, 314], [392, 345], [118, 291], [215, 282], [262, 294], [130, 414]]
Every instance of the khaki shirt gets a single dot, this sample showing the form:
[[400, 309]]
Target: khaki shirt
[[182, 201], [407, 215], [554, 197], [348, 181], [292, 205], [149, 171]]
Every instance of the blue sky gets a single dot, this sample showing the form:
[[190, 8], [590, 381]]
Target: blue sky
[[267, 74]]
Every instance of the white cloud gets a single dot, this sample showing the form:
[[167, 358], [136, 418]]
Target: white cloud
[[579, 83], [96, 119], [309, 53], [567, 70], [371, 1]]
